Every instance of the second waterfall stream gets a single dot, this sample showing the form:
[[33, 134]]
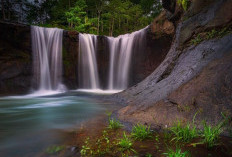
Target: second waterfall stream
[[120, 48]]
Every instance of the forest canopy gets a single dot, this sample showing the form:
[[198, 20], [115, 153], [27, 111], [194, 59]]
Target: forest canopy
[[101, 17]]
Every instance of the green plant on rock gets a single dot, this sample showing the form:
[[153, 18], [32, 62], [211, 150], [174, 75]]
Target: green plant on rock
[[196, 40], [177, 153], [211, 134], [141, 132], [224, 32], [54, 149], [184, 4], [125, 143], [211, 34], [114, 124]]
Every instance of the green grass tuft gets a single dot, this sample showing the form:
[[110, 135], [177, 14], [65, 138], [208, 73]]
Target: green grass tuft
[[141, 132], [211, 134], [183, 133], [177, 153], [114, 124]]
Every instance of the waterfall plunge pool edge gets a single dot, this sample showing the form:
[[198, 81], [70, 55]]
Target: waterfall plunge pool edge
[[30, 124]]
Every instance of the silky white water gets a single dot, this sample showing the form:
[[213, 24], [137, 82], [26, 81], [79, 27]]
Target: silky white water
[[120, 49], [47, 59], [87, 65]]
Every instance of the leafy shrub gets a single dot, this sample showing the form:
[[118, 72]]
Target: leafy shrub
[[141, 132], [177, 153]]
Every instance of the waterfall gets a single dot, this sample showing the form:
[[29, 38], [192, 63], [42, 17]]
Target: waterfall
[[87, 65], [47, 58], [121, 49]]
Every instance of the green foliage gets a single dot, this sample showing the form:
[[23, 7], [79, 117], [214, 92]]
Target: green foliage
[[114, 124], [167, 135], [217, 33], [184, 4], [54, 149], [102, 17], [148, 155], [211, 134], [141, 132], [125, 143], [210, 35], [196, 40], [177, 153], [77, 19], [183, 133], [86, 148]]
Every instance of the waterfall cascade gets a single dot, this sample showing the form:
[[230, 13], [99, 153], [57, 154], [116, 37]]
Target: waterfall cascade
[[87, 65], [120, 49], [47, 53]]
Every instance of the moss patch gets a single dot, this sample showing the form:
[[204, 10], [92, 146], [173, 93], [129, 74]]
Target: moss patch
[[214, 33]]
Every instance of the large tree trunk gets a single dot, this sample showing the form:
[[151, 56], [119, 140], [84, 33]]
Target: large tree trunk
[[98, 23], [3, 11], [8, 10], [102, 27], [112, 28]]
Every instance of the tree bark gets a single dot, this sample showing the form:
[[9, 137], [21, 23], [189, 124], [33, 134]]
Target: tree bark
[[3, 11], [98, 23], [102, 27], [112, 28]]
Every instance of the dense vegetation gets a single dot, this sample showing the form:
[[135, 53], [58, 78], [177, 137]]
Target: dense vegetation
[[104, 17]]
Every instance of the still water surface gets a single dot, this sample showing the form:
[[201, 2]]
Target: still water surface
[[29, 125]]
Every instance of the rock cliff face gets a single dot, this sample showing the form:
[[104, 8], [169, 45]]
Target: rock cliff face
[[70, 59], [196, 74], [15, 59], [16, 56], [156, 45]]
